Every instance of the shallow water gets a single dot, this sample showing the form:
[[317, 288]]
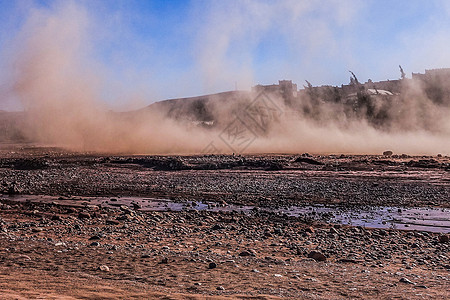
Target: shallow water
[[420, 219]]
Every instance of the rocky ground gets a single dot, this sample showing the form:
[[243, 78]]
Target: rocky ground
[[80, 250]]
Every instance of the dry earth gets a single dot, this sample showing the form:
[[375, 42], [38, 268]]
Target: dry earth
[[74, 249]]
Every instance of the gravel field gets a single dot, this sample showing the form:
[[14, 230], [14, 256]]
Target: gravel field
[[75, 247]]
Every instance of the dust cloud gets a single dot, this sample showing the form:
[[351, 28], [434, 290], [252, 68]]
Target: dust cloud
[[60, 85]]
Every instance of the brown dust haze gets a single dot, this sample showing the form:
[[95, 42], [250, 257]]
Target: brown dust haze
[[60, 86]]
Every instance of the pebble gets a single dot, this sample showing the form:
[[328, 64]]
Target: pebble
[[317, 256], [84, 215], [244, 253], [104, 268], [309, 230], [406, 280], [112, 222], [333, 230], [217, 227], [212, 265], [164, 260], [443, 238]]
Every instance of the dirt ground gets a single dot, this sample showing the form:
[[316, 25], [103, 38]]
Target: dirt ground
[[71, 248]]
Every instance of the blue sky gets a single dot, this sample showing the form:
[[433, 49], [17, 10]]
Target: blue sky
[[152, 50]]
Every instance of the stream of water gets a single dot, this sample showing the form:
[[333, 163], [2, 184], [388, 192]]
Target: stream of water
[[421, 219]]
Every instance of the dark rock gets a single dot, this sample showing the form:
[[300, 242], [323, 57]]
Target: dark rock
[[125, 209], [317, 256], [164, 260], [212, 265], [84, 215], [30, 164], [333, 230], [309, 230], [56, 218], [123, 217], [350, 260], [247, 253], [94, 244], [136, 206], [388, 153], [112, 222], [275, 166], [405, 280], [443, 238], [278, 231], [217, 227], [309, 161]]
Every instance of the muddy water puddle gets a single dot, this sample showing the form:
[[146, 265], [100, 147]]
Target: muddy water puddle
[[421, 219]]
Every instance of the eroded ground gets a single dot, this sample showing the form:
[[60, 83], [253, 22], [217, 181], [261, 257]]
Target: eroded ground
[[82, 250]]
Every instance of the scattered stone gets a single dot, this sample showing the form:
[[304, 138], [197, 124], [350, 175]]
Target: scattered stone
[[317, 256], [244, 253], [220, 288], [126, 210], [278, 231], [93, 207], [94, 244], [164, 260], [248, 252], [309, 229], [212, 265], [333, 230], [84, 215], [23, 257], [443, 238], [136, 206], [217, 227], [112, 222], [56, 218], [406, 280], [349, 260], [104, 268]]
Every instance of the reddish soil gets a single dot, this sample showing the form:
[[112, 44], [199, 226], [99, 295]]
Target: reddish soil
[[87, 251]]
